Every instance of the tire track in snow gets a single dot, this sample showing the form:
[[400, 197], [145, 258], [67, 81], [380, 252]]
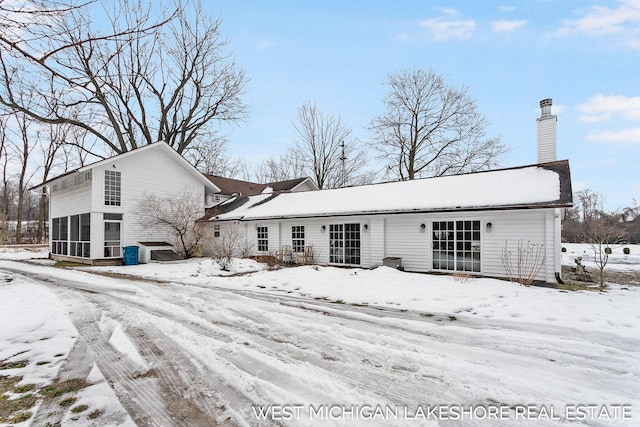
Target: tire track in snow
[[395, 386], [277, 346], [139, 395]]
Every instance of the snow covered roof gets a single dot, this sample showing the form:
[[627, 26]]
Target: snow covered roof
[[535, 186]]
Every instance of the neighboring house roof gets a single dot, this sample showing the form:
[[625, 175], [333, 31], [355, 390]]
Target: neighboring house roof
[[160, 145], [535, 186], [241, 188]]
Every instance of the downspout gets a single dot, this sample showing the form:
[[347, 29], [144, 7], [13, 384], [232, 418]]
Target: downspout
[[559, 213]]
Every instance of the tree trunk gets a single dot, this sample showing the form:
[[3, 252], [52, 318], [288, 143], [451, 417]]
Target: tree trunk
[[42, 215]]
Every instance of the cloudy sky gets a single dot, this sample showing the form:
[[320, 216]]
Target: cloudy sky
[[584, 54]]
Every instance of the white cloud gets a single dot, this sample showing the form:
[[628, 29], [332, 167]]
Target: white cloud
[[623, 20], [506, 8], [449, 11], [624, 136], [602, 108], [505, 26], [443, 30], [558, 109]]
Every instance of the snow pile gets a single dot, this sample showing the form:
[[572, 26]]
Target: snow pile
[[200, 268], [23, 253]]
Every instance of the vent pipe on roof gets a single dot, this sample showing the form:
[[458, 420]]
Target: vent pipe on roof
[[547, 132]]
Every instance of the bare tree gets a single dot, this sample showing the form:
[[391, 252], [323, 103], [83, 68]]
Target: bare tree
[[5, 198], [273, 169], [432, 129], [175, 215], [230, 243], [604, 232], [141, 81], [51, 146], [326, 150], [22, 149]]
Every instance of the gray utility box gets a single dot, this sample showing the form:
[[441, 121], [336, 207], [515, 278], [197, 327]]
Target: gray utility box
[[393, 262]]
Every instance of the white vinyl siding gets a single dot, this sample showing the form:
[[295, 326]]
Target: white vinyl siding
[[508, 228], [403, 238], [153, 172], [71, 201]]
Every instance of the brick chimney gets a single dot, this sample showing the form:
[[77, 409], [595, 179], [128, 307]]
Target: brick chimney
[[547, 130]]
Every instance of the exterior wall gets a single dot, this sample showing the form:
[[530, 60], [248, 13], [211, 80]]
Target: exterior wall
[[152, 172], [509, 228], [401, 236], [71, 200], [404, 239]]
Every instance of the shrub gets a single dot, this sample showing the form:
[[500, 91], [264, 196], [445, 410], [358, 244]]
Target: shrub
[[523, 264], [607, 251], [564, 249], [626, 251]]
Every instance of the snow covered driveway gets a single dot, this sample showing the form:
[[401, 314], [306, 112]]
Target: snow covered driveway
[[204, 354]]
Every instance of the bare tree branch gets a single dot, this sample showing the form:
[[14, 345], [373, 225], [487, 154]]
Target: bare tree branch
[[431, 129], [144, 79]]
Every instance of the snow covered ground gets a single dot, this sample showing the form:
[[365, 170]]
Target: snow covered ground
[[191, 345], [618, 260]]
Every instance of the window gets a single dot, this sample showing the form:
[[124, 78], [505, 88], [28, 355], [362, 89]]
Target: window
[[456, 245], [263, 239], [59, 235], [80, 234], [297, 238], [216, 230], [344, 244], [112, 188], [82, 177]]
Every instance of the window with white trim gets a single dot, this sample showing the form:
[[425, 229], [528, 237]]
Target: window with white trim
[[263, 239], [112, 187], [456, 245], [344, 244], [297, 238]]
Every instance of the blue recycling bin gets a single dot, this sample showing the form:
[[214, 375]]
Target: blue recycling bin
[[130, 255]]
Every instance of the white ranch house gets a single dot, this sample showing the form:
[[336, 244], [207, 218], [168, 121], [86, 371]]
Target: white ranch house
[[447, 224]]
